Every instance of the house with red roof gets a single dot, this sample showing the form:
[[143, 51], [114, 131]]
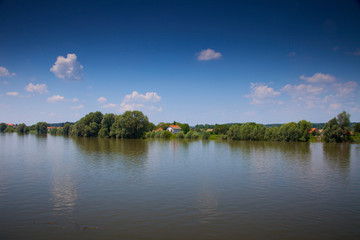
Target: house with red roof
[[313, 130], [174, 128], [159, 129]]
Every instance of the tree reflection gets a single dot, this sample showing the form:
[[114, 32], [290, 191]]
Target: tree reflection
[[337, 155], [132, 151]]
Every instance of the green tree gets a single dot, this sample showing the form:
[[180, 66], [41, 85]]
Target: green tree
[[2, 127], [106, 124], [131, 124], [357, 127], [41, 127], [66, 129], [88, 126], [338, 129], [304, 128], [22, 128], [184, 127], [9, 129], [206, 135], [53, 131]]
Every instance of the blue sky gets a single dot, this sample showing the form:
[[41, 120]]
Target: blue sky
[[188, 61]]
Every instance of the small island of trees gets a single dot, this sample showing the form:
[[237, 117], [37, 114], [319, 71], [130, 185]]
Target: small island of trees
[[135, 125]]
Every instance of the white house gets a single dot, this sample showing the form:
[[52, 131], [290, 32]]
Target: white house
[[174, 129]]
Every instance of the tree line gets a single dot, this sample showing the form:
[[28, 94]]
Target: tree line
[[134, 124]]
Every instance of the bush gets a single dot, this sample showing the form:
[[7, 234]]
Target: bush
[[206, 135], [180, 135]]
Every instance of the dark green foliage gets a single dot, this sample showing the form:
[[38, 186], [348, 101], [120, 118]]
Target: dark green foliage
[[22, 128], [88, 126], [2, 127], [151, 126], [106, 124], [60, 131], [184, 127], [162, 125], [247, 131], [53, 131], [66, 129], [221, 128], [338, 129], [131, 124], [289, 132], [41, 128], [9, 129], [357, 127]]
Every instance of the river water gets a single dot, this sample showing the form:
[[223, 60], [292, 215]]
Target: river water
[[54, 187]]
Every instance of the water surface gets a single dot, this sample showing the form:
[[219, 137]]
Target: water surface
[[89, 188]]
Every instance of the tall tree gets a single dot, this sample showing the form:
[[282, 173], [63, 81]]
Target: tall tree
[[131, 124], [41, 127], [2, 127]]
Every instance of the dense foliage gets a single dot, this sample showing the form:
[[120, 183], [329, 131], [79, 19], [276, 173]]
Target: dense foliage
[[41, 128], [338, 129], [22, 128], [2, 127]]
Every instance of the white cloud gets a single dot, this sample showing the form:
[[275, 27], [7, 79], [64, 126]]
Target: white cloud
[[39, 88], [12, 94], [148, 97], [75, 99], [77, 107], [101, 99], [208, 54], [319, 78], [345, 88], [67, 68], [4, 82], [109, 105], [55, 98], [5, 73], [335, 105], [260, 92], [136, 101], [302, 89]]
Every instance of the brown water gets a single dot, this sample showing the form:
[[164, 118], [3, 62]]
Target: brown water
[[88, 188]]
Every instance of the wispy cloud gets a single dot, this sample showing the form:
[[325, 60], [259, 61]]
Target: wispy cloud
[[77, 107], [14, 94], [319, 78], [55, 98], [355, 53], [39, 88], [109, 105], [67, 68], [261, 93], [208, 54], [5, 73]]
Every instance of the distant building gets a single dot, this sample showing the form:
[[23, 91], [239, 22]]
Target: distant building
[[209, 130], [313, 130], [159, 129], [174, 129]]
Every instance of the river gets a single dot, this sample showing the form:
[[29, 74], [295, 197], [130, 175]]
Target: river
[[54, 187]]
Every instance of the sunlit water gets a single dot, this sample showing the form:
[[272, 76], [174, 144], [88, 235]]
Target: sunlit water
[[89, 188]]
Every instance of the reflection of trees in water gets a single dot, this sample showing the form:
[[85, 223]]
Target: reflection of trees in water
[[337, 155], [287, 148], [134, 151]]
